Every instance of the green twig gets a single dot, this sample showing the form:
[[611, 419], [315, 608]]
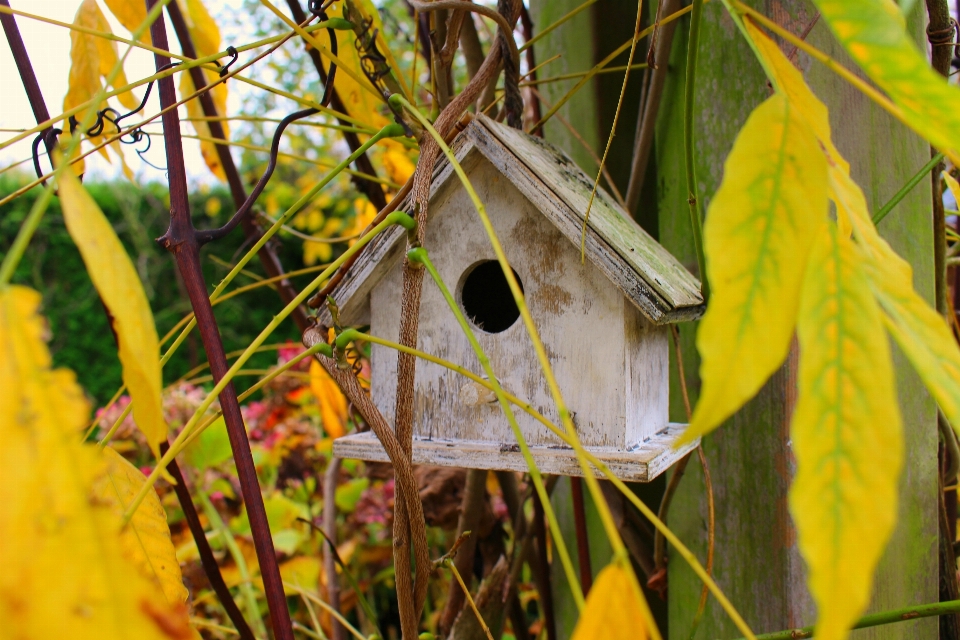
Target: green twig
[[693, 199], [394, 218], [876, 619], [473, 605], [907, 188], [246, 588]]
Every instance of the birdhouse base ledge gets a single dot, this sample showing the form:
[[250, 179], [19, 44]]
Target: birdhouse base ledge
[[641, 464]]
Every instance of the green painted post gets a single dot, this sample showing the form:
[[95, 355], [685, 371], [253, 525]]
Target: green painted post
[[757, 562], [581, 42]]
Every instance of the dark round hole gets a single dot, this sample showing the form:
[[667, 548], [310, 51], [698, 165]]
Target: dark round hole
[[486, 298]]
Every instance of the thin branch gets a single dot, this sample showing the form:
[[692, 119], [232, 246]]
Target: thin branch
[[181, 241]]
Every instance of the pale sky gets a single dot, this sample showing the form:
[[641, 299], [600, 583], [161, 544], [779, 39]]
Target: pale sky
[[49, 49]]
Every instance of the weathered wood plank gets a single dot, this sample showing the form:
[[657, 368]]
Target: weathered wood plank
[[757, 562], [578, 313], [659, 269], [645, 272], [640, 465]]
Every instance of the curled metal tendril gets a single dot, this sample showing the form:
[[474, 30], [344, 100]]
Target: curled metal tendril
[[207, 235], [114, 117], [372, 61], [234, 54]]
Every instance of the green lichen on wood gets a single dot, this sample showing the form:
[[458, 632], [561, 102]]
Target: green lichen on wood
[[757, 563]]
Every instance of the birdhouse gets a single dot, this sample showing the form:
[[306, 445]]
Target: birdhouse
[[603, 319]]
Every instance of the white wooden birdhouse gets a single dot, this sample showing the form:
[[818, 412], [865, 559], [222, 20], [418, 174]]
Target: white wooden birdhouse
[[603, 321]]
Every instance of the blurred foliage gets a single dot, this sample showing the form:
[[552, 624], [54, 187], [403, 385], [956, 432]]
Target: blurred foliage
[[81, 338]]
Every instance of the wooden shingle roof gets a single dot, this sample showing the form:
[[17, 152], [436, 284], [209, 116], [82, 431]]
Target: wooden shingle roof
[[646, 273]]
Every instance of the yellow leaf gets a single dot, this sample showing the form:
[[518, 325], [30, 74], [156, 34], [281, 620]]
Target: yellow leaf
[[613, 610], [119, 286], [920, 331], [874, 34], [195, 110], [64, 571], [206, 40], [91, 58], [846, 434], [788, 80], [758, 233], [131, 15], [84, 80], [397, 162], [79, 165], [952, 185], [204, 31], [146, 539], [359, 103], [333, 406]]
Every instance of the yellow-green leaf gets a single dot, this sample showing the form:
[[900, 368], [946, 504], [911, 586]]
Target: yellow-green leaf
[[92, 57], [131, 15], [64, 571], [790, 82], [921, 332], [120, 289], [146, 540], [206, 39], [613, 609], [846, 434], [874, 34], [759, 229]]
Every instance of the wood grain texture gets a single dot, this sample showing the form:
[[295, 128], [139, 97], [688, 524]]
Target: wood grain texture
[[633, 261], [640, 465], [757, 563], [581, 319], [655, 265]]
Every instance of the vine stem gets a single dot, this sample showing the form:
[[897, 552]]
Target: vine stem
[[875, 619], [180, 239], [191, 427], [689, 147], [352, 334]]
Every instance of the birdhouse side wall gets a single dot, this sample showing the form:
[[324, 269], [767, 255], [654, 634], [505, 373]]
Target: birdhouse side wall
[[579, 314], [647, 374]]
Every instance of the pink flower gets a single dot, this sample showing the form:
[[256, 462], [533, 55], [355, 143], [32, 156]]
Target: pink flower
[[289, 351]]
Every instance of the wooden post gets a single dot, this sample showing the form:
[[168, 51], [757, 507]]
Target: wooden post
[[582, 42], [757, 562]]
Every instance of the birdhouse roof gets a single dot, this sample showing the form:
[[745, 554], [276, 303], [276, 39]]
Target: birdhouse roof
[[646, 273]]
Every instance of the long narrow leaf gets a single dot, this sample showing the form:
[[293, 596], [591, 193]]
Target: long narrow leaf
[[874, 34], [758, 233], [846, 434], [121, 291]]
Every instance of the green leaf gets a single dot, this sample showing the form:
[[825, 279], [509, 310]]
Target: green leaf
[[758, 232], [846, 434], [348, 494], [874, 34], [210, 448], [282, 513]]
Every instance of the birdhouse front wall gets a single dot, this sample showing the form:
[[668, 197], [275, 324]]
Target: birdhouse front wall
[[610, 362]]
